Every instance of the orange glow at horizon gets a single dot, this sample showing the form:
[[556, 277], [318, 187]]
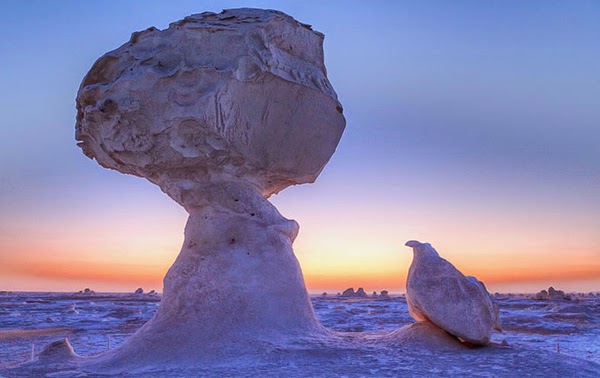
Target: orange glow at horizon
[[361, 246], [372, 274]]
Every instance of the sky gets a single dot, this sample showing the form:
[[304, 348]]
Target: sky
[[472, 125]]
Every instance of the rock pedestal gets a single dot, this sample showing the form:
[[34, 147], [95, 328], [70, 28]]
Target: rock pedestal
[[235, 287]]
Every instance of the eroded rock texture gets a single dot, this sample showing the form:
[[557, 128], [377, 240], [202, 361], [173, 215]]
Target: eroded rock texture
[[221, 111], [438, 292], [238, 95]]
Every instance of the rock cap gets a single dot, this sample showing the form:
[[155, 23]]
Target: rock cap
[[239, 95]]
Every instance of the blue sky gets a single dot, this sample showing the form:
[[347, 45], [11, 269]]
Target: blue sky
[[468, 122]]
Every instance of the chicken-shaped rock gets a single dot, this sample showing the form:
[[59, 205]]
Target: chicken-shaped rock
[[438, 292]]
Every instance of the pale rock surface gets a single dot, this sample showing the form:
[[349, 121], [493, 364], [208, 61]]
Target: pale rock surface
[[221, 111], [437, 292], [58, 352], [427, 335], [240, 95], [490, 302]]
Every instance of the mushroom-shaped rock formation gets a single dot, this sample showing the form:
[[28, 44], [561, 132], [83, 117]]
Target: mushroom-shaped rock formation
[[437, 292], [221, 111]]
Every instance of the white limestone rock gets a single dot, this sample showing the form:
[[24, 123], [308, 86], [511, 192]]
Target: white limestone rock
[[437, 292], [239, 95], [424, 335], [58, 352], [236, 287], [221, 111]]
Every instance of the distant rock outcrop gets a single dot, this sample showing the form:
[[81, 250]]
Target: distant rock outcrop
[[552, 294], [139, 290], [437, 292], [541, 295], [350, 293], [384, 295]]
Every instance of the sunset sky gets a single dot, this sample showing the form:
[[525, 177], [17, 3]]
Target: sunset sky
[[472, 125]]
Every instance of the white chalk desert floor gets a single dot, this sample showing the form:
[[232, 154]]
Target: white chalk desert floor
[[541, 338]]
